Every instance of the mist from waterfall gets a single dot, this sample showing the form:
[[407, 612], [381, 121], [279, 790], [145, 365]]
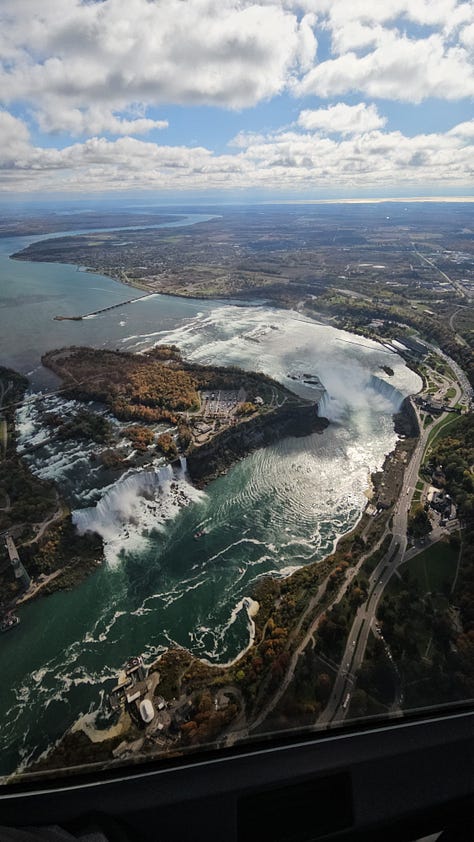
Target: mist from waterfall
[[181, 574], [136, 506]]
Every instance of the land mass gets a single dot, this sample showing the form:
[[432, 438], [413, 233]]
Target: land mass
[[212, 415], [33, 513], [166, 407], [385, 622], [54, 221], [385, 270]]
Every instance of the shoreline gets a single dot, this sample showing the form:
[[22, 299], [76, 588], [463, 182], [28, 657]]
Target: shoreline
[[355, 529], [206, 461], [198, 674]]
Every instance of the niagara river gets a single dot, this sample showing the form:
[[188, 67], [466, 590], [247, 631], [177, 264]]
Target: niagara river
[[279, 508]]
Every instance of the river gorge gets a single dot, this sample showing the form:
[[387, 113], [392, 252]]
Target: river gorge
[[278, 508]]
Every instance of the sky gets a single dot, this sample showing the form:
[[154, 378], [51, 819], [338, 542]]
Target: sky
[[237, 99]]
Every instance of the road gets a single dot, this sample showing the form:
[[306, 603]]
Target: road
[[338, 704], [457, 286], [315, 602]]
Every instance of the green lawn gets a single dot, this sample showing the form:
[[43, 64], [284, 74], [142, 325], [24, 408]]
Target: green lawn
[[433, 567], [435, 432]]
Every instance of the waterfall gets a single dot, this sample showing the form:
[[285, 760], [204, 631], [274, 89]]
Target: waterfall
[[386, 390], [324, 405], [359, 391], [136, 505]]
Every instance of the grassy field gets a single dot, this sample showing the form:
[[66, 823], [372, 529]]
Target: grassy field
[[434, 567], [445, 422]]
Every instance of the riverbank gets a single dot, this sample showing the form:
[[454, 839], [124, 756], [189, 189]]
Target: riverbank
[[250, 682], [36, 517]]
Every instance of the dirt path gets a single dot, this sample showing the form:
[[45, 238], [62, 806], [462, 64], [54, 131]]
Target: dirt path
[[60, 513]]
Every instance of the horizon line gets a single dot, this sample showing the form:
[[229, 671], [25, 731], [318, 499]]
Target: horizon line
[[373, 200], [197, 201]]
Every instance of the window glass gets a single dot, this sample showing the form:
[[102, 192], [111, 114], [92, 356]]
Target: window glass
[[236, 371]]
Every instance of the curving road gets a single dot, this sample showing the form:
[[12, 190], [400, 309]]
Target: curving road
[[338, 704]]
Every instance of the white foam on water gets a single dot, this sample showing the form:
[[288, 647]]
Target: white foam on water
[[287, 571], [134, 506], [251, 607]]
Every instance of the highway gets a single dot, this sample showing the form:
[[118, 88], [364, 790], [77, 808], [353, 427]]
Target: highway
[[365, 619], [339, 701], [455, 284]]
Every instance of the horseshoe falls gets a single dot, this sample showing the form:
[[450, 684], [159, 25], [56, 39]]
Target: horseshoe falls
[[279, 508]]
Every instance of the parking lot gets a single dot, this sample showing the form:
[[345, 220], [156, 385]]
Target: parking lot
[[221, 403]]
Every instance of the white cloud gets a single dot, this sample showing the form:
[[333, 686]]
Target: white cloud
[[14, 138], [354, 35], [110, 68], [467, 36], [80, 66], [96, 120], [442, 13], [346, 119], [376, 51], [398, 68], [375, 159], [463, 129], [232, 53], [298, 160]]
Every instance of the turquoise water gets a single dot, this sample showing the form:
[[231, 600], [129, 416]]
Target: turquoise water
[[275, 510]]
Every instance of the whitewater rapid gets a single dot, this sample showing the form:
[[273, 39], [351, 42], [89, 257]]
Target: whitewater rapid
[[136, 506], [279, 508], [347, 381]]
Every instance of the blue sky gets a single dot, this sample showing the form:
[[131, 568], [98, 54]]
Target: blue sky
[[278, 99]]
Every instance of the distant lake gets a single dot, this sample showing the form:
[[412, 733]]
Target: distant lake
[[281, 507], [32, 294]]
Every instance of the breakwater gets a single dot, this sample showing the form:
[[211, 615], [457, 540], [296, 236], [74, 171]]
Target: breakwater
[[102, 309]]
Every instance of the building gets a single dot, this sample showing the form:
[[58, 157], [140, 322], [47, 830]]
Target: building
[[131, 687], [414, 345], [441, 503]]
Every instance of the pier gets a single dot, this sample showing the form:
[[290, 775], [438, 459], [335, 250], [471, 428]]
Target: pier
[[103, 309]]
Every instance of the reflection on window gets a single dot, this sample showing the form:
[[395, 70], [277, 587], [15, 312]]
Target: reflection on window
[[236, 430]]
